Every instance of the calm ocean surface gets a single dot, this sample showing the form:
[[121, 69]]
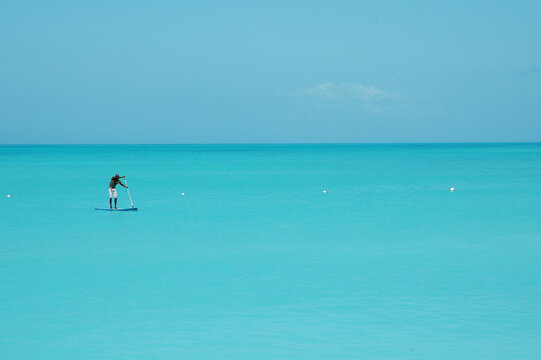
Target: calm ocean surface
[[256, 262]]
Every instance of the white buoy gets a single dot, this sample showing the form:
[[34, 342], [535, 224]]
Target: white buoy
[[324, 191], [182, 194], [452, 189], [8, 196]]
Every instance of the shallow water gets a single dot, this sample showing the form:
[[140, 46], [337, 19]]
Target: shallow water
[[255, 261]]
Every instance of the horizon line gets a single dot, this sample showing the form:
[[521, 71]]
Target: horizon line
[[276, 143]]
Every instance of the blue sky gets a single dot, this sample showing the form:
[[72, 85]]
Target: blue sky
[[280, 71]]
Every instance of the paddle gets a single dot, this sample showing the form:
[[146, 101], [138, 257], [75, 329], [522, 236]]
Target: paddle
[[127, 188]]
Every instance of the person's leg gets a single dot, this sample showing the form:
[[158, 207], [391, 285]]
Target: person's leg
[[115, 203], [110, 199]]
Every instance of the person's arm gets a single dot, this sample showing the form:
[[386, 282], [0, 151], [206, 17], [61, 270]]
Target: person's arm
[[122, 184]]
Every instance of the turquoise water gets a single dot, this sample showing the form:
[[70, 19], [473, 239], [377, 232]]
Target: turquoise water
[[255, 261]]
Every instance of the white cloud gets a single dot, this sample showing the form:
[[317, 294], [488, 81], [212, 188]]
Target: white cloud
[[364, 93], [366, 98]]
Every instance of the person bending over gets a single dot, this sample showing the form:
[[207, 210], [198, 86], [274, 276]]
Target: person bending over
[[115, 180]]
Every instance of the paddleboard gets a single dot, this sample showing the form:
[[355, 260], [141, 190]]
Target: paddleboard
[[126, 209]]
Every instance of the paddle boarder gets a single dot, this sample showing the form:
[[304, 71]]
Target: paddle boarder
[[115, 180]]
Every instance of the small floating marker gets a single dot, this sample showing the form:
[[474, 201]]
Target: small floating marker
[[452, 189], [8, 196], [324, 191], [182, 194]]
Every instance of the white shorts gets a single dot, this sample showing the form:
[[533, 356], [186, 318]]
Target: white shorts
[[112, 193]]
